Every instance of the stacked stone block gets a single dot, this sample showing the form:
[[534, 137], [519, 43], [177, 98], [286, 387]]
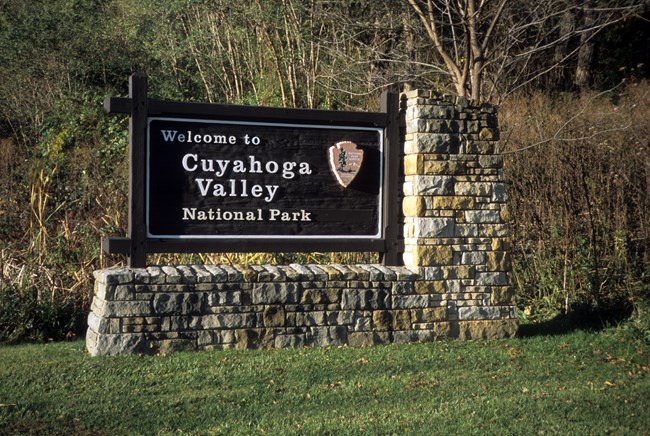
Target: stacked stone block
[[163, 309], [455, 212]]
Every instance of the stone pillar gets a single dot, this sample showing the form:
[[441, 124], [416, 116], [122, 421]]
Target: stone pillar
[[454, 207]]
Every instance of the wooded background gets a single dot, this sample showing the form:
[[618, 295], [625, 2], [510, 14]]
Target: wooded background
[[570, 78]]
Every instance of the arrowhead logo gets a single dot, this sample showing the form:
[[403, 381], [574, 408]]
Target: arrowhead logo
[[345, 161]]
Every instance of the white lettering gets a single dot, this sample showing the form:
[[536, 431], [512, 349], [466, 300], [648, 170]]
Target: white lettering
[[272, 189], [204, 185], [304, 168], [272, 167], [223, 166], [287, 168], [238, 167], [186, 158], [189, 213]]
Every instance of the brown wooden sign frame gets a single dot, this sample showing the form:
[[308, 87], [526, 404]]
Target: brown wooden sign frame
[[137, 244]]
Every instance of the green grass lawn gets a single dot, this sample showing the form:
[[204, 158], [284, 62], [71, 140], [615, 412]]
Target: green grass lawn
[[576, 383]]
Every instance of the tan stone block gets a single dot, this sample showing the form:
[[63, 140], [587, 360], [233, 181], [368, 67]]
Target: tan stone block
[[502, 296], [254, 338], [382, 320], [443, 167], [413, 206], [332, 273], [487, 134], [413, 164], [401, 319], [361, 339], [505, 213], [273, 316], [453, 202], [431, 255], [458, 272], [489, 329], [430, 314], [498, 261], [430, 287], [442, 330], [493, 230]]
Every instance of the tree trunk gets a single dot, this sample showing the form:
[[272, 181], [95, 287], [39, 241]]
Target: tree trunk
[[586, 49]]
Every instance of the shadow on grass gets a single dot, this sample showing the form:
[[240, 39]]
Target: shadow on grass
[[582, 319], [560, 325]]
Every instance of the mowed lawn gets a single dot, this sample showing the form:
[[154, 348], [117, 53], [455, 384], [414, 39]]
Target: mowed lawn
[[575, 383]]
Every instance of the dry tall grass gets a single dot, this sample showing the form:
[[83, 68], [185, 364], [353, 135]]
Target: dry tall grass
[[578, 168]]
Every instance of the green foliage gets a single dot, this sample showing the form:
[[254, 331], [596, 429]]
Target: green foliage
[[28, 315]]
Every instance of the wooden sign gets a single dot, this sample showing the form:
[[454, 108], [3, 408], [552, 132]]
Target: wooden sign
[[219, 178]]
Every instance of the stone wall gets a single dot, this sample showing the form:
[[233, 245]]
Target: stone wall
[[454, 282]]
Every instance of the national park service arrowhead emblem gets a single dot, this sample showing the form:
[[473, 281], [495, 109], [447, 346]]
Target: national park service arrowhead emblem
[[345, 161]]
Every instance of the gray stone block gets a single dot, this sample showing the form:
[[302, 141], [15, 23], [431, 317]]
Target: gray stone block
[[319, 273], [374, 273], [172, 275], [328, 336], [289, 341], [275, 293], [499, 194], [178, 303], [223, 320], [479, 313], [364, 299], [305, 273], [111, 345], [277, 275], [411, 301], [363, 324], [474, 258], [114, 276], [234, 275], [491, 279], [403, 288], [389, 274], [224, 298], [340, 317], [439, 143], [434, 227], [188, 275], [292, 274], [115, 309], [403, 273], [311, 318], [201, 273], [433, 185], [482, 216], [218, 274], [141, 275]]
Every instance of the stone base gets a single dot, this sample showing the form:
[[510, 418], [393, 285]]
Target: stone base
[[166, 309]]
